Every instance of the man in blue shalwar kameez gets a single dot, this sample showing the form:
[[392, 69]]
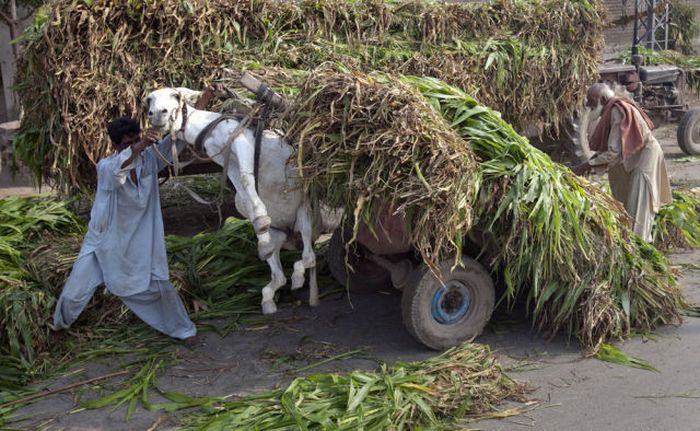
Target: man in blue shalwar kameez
[[124, 248]]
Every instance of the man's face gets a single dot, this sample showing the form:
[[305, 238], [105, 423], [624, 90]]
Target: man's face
[[595, 104], [592, 100], [597, 111], [128, 140]]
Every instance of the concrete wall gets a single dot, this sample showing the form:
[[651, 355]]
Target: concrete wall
[[8, 108], [619, 38]]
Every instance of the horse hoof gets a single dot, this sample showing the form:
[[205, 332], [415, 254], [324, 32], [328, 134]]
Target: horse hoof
[[297, 282], [262, 224], [269, 308]]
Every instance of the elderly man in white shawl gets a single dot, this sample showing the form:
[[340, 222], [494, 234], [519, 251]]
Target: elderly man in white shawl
[[624, 144]]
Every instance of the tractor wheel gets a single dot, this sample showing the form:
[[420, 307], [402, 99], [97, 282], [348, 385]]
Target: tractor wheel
[[689, 132], [444, 314], [364, 274]]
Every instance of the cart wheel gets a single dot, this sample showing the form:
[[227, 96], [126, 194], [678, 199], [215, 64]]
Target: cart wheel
[[365, 274], [689, 132], [443, 315]]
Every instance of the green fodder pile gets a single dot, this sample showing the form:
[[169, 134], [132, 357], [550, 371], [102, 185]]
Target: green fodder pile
[[86, 62], [28, 227], [437, 393], [555, 239], [561, 242], [218, 274], [677, 224], [364, 144]]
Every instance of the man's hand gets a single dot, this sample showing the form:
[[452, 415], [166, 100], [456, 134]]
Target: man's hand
[[583, 169], [151, 136]]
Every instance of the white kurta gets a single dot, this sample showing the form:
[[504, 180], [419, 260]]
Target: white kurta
[[124, 248], [640, 181]]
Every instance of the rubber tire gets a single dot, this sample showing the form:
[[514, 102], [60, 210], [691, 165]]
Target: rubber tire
[[367, 275], [417, 299], [689, 122]]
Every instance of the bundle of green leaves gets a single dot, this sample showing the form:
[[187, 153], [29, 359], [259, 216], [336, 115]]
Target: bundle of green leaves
[[86, 62]]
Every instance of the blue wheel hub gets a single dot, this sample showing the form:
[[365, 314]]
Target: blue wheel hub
[[451, 302]]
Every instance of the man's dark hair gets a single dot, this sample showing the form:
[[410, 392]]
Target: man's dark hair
[[121, 127]]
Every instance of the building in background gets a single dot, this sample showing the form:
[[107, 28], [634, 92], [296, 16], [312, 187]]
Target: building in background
[[619, 37], [9, 110]]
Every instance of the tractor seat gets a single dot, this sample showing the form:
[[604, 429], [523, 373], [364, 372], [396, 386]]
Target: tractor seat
[[607, 69], [659, 74]]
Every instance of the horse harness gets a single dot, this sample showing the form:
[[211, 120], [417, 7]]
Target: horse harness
[[264, 97]]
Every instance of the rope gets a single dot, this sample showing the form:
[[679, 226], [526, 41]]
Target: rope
[[181, 107], [264, 96], [225, 150]]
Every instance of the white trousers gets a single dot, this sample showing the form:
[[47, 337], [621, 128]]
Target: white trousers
[[641, 184], [159, 306]]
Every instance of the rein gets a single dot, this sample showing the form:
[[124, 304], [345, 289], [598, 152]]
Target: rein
[[199, 146], [264, 96], [181, 108]]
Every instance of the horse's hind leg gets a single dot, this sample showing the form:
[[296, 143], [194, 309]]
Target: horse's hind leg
[[277, 274], [308, 257]]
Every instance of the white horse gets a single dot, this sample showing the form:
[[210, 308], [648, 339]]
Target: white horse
[[276, 208]]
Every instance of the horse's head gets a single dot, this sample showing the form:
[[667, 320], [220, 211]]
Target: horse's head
[[165, 106]]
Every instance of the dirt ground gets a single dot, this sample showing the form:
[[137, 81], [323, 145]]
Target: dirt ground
[[575, 393]]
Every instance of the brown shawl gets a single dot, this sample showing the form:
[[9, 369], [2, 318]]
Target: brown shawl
[[630, 132]]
